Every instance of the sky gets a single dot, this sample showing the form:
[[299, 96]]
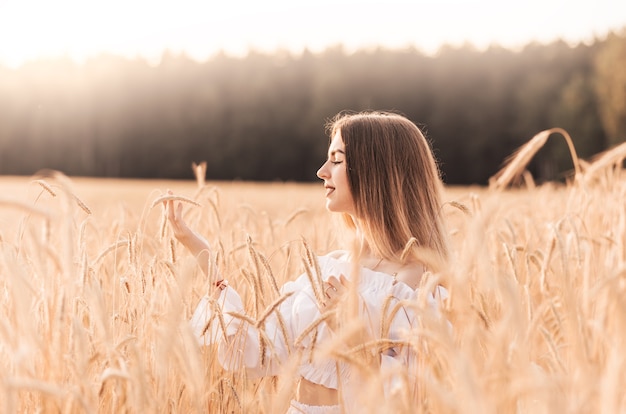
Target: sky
[[79, 29]]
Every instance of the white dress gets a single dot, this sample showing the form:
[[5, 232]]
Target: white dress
[[298, 312]]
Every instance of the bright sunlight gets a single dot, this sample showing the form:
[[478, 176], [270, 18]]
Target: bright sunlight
[[33, 29]]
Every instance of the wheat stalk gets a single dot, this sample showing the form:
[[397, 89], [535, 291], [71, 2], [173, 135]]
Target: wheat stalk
[[109, 249], [46, 187], [23, 206], [460, 206], [385, 320], [199, 171], [34, 384], [602, 161], [256, 275], [268, 269], [82, 205], [220, 317], [539, 345], [315, 283], [313, 326], [243, 317], [295, 215], [271, 308], [517, 162], [171, 197]]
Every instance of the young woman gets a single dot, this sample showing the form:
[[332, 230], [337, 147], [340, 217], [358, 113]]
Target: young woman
[[381, 176]]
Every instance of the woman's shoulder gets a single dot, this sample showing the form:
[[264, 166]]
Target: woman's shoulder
[[331, 264], [342, 255], [410, 274]]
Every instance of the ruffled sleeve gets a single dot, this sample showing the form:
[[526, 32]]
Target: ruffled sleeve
[[240, 342], [205, 328], [261, 350]]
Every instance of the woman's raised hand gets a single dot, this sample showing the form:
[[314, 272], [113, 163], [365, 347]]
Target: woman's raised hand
[[196, 244], [175, 216]]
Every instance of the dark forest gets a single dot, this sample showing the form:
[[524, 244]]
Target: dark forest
[[261, 117]]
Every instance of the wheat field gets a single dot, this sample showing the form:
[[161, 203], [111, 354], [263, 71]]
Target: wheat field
[[96, 295]]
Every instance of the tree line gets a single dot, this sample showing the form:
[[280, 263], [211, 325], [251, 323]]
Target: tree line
[[262, 116]]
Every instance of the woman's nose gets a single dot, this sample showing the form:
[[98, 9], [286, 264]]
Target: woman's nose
[[322, 173]]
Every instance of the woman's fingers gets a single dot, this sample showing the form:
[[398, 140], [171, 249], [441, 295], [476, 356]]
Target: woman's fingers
[[169, 205], [179, 212], [172, 214], [170, 210], [175, 217], [328, 289], [340, 283], [174, 211], [168, 202], [334, 288], [333, 281]]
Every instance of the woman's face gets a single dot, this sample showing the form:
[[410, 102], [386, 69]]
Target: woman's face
[[335, 175]]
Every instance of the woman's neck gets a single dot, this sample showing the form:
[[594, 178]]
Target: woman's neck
[[409, 273]]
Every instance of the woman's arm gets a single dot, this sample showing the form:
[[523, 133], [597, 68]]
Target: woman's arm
[[239, 341], [195, 243], [260, 349]]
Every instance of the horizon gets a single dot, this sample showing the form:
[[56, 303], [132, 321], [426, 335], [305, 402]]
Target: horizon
[[182, 54]]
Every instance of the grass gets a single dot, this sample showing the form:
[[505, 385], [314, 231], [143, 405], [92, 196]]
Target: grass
[[96, 297]]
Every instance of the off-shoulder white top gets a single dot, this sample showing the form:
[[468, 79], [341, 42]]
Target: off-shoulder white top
[[240, 348]]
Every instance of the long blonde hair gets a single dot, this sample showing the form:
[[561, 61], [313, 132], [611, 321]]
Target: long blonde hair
[[395, 185]]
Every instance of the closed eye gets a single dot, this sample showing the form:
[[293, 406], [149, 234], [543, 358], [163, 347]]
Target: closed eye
[[334, 158]]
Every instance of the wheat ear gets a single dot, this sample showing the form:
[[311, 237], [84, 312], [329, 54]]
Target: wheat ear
[[110, 248], [313, 326], [317, 287], [270, 273], [171, 197], [386, 321], [294, 215], [614, 156], [80, 203], [199, 171], [23, 206], [518, 161], [46, 187], [272, 307]]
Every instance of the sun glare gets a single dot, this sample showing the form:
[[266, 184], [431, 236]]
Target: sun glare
[[32, 29], [44, 29]]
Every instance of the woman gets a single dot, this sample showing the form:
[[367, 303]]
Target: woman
[[381, 176]]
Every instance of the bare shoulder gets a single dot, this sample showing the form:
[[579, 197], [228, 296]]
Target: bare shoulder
[[338, 254], [410, 274]]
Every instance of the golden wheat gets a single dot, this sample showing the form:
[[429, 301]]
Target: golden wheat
[[536, 281], [166, 198]]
